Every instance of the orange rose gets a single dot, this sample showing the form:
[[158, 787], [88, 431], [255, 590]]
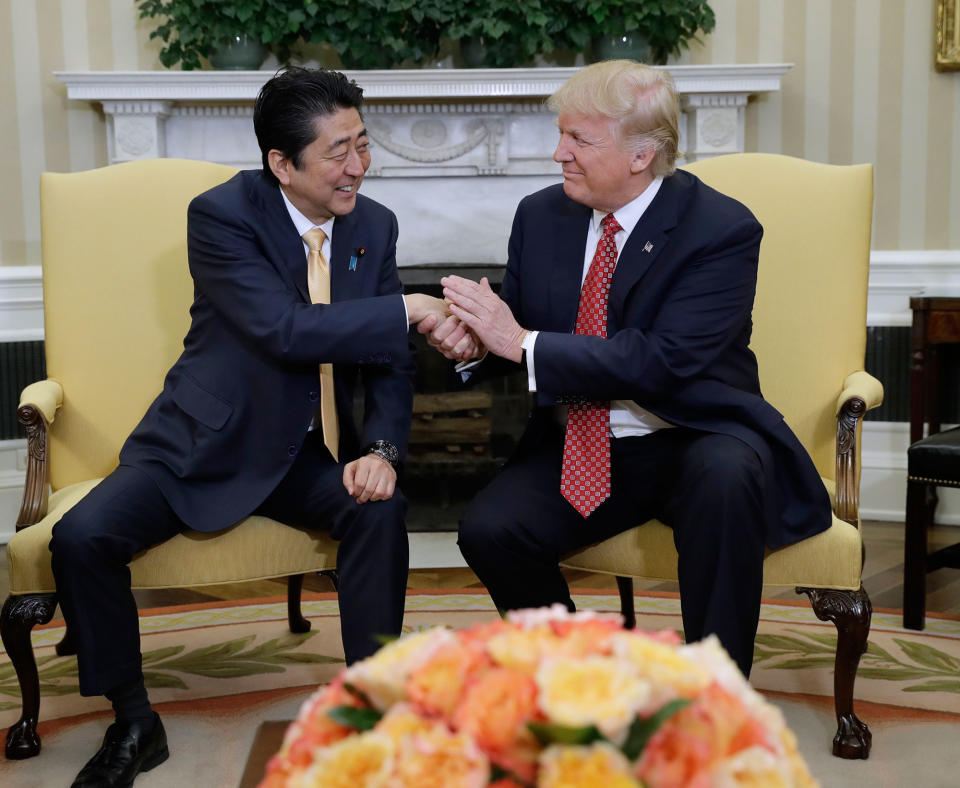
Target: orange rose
[[437, 686], [714, 727], [496, 707]]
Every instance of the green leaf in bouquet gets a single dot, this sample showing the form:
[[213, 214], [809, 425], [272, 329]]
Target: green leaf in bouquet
[[358, 693], [547, 733], [643, 728], [352, 717], [498, 773]]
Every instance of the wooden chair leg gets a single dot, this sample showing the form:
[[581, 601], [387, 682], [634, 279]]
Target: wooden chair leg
[[850, 611], [915, 555], [297, 622], [334, 577], [627, 610], [66, 647], [20, 614]]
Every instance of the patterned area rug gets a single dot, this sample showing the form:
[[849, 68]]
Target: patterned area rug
[[220, 668]]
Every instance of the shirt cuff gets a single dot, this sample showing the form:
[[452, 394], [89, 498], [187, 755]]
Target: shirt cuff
[[528, 342], [406, 315]]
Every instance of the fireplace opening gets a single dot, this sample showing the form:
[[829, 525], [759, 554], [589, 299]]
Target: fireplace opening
[[461, 435]]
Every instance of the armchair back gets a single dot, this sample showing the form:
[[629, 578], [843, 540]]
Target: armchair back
[[809, 316], [116, 295]]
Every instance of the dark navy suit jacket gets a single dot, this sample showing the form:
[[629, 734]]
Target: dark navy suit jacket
[[236, 405], [678, 328]]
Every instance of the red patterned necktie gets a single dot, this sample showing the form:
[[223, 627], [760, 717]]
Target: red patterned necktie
[[585, 477]]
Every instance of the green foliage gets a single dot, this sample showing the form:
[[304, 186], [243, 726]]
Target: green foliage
[[378, 33], [642, 728], [668, 25], [352, 717], [512, 32], [385, 33], [193, 29]]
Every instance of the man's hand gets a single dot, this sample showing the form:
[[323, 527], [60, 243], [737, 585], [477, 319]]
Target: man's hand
[[450, 337], [420, 306], [485, 314], [369, 478]]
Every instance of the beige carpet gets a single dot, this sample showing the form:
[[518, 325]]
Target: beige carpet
[[216, 671]]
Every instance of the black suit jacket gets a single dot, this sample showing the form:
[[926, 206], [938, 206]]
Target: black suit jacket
[[678, 330], [236, 405]]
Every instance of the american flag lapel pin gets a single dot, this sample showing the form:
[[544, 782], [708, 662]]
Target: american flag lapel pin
[[648, 247], [357, 253]]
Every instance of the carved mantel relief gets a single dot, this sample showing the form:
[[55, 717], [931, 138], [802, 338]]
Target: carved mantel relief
[[454, 150]]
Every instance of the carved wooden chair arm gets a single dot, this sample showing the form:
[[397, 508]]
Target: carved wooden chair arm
[[861, 392], [38, 407]]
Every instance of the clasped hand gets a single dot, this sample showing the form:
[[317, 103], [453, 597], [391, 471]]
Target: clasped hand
[[443, 331], [485, 314]]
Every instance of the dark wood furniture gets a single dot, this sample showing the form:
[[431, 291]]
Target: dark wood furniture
[[933, 461], [936, 322]]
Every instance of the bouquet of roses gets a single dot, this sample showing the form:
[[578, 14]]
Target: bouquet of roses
[[542, 698]]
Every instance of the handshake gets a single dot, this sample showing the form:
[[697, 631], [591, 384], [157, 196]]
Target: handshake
[[469, 321]]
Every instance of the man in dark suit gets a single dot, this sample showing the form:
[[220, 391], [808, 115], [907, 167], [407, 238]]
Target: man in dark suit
[[256, 414], [627, 297]]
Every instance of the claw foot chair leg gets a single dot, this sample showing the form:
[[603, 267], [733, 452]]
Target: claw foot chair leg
[[627, 610], [850, 611], [20, 614]]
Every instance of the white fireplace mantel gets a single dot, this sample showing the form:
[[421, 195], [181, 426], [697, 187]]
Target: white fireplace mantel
[[483, 137]]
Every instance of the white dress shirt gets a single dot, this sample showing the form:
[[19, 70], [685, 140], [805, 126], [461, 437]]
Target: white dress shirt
[[626, 417], [303, 225]]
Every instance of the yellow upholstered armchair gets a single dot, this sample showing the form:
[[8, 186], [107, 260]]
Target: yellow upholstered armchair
[[116, 293], [809, 336]]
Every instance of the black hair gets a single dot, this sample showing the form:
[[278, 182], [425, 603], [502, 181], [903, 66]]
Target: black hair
[[287, 108]]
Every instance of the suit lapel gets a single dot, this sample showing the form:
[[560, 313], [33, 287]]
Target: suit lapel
[[292, 260], [647, 241], [565, 264], [344, 228]]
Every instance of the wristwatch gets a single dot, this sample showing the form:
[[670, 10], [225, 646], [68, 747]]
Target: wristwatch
[[385, 450]]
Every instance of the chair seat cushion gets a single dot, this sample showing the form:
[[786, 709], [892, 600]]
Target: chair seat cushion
[[936, 459], [254, 549], [831, 559]]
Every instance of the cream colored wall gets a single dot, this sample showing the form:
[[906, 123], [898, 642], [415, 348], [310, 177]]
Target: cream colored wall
[[862, 89]]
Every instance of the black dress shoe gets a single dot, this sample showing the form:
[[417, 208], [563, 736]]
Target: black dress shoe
[[127, 750]]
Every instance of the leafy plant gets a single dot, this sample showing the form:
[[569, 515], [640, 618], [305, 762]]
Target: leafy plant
[[194, 29], [379, 33], [668, 25], [511, 32]]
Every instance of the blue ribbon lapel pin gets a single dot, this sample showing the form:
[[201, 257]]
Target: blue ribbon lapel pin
[[354, 258]]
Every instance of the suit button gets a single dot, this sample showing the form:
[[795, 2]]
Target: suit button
[[314, 396], [292, 449]]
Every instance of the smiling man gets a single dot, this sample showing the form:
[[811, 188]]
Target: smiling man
[[627, 297], [296, 301]]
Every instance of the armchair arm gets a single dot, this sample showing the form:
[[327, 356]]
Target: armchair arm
[[38, 408], [861, 392], [863, 385]]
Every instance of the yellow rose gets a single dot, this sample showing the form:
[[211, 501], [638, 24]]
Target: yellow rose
[[601, 691]]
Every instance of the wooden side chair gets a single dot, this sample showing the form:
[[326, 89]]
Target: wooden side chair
[[116, 292], [932, 462], [810, 337]]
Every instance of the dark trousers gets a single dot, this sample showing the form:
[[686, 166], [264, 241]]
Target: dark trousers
[[95, 541], [705, 486]]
